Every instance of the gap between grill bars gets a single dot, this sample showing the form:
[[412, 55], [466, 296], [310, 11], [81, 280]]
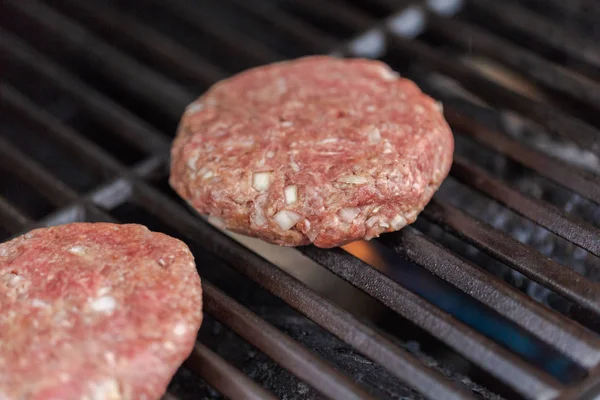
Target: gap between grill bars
[[129, 184]]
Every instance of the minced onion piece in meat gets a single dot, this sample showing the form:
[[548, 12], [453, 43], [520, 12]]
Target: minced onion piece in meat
[[261, 181], [286, 219], [398, 222], [349, 213], [291, 194], [353, 179]]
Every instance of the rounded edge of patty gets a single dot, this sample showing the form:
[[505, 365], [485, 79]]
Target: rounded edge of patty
[[314, 150], [95, 310]]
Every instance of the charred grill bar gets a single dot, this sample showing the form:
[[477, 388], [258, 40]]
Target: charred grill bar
[[120, 49]]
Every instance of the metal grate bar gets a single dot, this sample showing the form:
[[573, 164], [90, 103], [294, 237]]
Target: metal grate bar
[[129, 127], [128, 72], [542, 213], [475, 40], [12, 219], [521, 257], [314, 38], [23, 107], [299, 296], [553, 119], [224, 377], [28, 170], [576, 46], [164, 49], [238, 43], [478, 349], [562, 333], [576, 179], [343, 12], [280, 347]]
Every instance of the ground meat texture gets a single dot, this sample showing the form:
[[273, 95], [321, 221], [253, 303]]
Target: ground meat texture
[[95, 311], [317, 149]]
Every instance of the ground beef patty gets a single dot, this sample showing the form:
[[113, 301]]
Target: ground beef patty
[[318, 149], [95, 311]]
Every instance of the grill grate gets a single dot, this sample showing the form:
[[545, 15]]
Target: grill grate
[[103, 81]]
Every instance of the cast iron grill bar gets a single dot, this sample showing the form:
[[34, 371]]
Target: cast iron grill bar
[[280, 347], [46, 184], [519, 256], [481, 351], [521, 19], [129, 127], [28, 170], [120, 25], [251, 49], [549, 326], [70, 135], [20, 106], [316, 39], [550, 117], [542, 213], [475, 40], [346, 13], [569, 176], [223, 376], [13, 220], [132, 75], [320, 310]]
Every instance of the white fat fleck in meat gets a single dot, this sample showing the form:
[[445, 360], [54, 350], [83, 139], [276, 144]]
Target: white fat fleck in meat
[[12, 280], [388, 75], [110, 357], [353, 179], [384, 224], [105, 304], [287, 124], [419, 109], [291, 194], [349, 213], [387, 147], [169, 345], [208, 174], [180, 329], [373, 134], [191, 163], [106, 289], [105, 390], [439, 106], [328, 140], [370, 108], [270, 154], [78, 250], [37, 303], [216, 221], [261, 181], [286, 219], [281, 86], [194, 107], [295, 167]]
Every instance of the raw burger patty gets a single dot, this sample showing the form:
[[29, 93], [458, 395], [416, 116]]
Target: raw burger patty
[[95, 311], [318, 149]]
